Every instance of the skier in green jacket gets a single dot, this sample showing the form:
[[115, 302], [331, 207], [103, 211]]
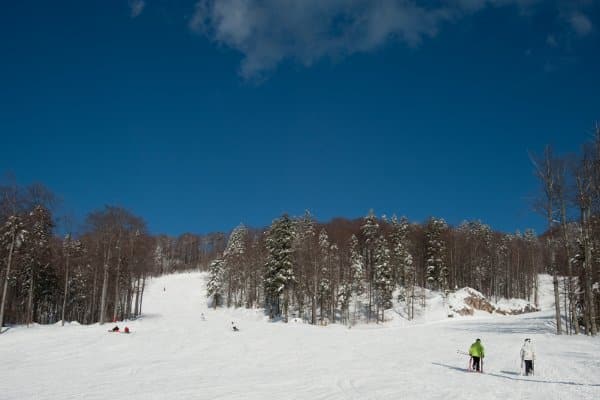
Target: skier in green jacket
[[477, 353]]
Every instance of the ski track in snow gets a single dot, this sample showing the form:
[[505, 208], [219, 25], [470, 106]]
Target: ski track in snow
[[173, 354]]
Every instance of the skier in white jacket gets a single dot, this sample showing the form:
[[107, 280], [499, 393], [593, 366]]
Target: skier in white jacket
[[528, 356]]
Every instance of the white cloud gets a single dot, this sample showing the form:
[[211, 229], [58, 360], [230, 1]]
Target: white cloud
[[268, 32], [136, 7], [581, 24]]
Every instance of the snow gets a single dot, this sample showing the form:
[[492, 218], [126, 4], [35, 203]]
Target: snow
[[173, 354]]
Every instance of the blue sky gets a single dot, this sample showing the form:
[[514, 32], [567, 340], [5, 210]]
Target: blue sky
[[201, 115]]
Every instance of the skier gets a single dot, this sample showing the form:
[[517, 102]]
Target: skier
[[527, 356], [477, 353], [126, 330], [202, 317], [233, 327], [115, 329]]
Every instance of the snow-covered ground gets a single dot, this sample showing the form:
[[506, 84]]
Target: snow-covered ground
[[173, 354]]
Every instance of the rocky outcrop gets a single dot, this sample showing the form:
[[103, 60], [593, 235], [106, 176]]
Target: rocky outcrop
[[465, 301], [478, 302]]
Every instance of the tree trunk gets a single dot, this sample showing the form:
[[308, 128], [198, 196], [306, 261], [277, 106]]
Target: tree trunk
[[94, 294], [30, 298], [117, 288], [557, 304], [142, 296], [64, 305], [590, 304], [285, 305], [136, 311], [104, 288], [569, 308], [129, 297], [7, 275]]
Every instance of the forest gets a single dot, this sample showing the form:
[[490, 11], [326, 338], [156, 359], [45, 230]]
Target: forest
[[341, 271]]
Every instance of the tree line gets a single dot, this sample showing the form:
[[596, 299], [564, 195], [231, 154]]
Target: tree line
[[346, 270], [96, 275], [340, 271]]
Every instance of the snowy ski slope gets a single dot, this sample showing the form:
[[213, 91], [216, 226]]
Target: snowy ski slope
[[173, 354]]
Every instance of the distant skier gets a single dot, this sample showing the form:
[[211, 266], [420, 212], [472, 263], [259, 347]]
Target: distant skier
[[477, 353], [234, 327], [126, 330], [528, 356], [202, 317], [115, 329]]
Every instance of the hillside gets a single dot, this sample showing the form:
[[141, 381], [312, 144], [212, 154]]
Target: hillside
[[173, 354]]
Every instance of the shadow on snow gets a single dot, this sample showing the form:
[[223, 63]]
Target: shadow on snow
[[516, 377]]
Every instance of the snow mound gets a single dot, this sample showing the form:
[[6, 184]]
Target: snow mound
[[467, 301], [73, 323], [514, 307]]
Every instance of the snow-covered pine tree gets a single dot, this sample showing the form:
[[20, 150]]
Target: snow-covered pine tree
[[531, 241], [324, 272], [214, 286], [383, 276], [71, 248], [12, 237], [279, 272], [335, 275], [357, 267], [305, 254], [436, 266], [502, 255], [357, 273], [402, 261], [41, 279], [370, 232], [398, 241], [233, 263]]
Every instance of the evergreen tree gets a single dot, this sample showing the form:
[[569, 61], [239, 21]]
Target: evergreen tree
[[40, 279], [383, 275], [357, 273], [357, 267], [214, 287], [12, 237], [325, 256], [399, 254], [370, 232], [71, 248], [305, 251], [436, 266], [279, 272], [234, 260]]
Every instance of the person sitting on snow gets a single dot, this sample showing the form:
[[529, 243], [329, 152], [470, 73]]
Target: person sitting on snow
[[477, 353], [116, 328], [126, 330], [528, 356], [233, 327]]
